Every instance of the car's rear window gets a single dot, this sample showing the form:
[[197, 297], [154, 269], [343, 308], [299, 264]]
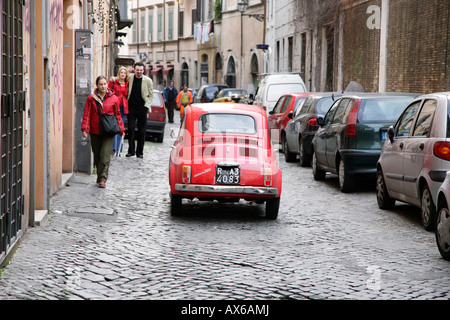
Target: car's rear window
[[210, 91], [227, 123], [156, 100], [275, 91], [382, 110], [448, 118], [323, 105]]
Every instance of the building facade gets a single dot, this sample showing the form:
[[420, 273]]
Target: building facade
[[384, 45], [40, 106]]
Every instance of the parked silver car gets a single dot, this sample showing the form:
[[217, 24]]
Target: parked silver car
[[416, 156], [443, 219]]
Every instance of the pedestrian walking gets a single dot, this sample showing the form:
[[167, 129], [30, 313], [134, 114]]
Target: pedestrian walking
[[140, 96], [101, 145], [119, 86], [184, 99], [170, 94]]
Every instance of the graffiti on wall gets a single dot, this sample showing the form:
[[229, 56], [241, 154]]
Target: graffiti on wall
[[56, 21]]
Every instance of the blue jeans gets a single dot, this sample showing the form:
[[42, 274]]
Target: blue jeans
[[118, 137]]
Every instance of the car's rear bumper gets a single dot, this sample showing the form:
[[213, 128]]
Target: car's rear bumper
[[360, 161], [155, 126], [229, 190]]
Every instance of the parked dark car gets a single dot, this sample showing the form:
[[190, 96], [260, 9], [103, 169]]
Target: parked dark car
[[278, 119], [207, 92], [416, 156], [301, 130], [352, 134], [156, 118]]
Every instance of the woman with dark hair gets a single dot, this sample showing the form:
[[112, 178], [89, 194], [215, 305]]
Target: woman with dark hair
[[101, 144]]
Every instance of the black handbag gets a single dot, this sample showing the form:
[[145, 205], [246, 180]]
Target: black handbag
[[108, 123]]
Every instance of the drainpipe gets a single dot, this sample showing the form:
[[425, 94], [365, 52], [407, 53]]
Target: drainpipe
[[383, 45], [32, 112]]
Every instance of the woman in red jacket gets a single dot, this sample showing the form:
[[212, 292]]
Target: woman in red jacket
[[101, 144], [120, 88]]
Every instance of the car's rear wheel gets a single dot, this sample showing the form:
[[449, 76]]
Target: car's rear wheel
[[346, 181], [288, 155], [443, 230], [305, 161], [176, 207], [318, 173], [272, 207], [160, 138], [428, 210], [383, 198]]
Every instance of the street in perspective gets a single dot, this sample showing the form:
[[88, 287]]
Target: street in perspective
[[122, 243], [225, 158]]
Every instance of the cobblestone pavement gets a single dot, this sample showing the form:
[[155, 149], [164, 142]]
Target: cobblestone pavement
[[122, 243]]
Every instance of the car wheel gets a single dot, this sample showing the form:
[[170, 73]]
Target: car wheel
[[288, 155], [383, 199], [443, 230], [176, 207], [160, 138], [346, 181], [428, 210], [318, 173], [272, 207], [305, 161]]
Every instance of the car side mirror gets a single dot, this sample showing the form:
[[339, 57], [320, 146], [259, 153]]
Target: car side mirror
[[319, 121], [290, 115], [391, 133]]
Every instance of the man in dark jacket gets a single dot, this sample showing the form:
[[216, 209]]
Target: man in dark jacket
[[170, 95]]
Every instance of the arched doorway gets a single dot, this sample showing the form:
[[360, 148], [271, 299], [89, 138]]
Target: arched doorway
[[231, 73], [184, 76], [254, 70], [219, 63]]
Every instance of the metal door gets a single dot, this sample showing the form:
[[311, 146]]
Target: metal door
[[12, 107]]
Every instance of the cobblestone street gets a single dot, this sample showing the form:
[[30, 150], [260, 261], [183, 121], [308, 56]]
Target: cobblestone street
[[122, 243]]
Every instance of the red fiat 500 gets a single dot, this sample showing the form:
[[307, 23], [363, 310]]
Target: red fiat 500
[[223, 152]]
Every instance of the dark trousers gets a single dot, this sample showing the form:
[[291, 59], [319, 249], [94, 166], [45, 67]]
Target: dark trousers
[[101, 148], [139, 117], [170, 109]]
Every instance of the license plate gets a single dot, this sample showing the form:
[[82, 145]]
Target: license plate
[[228, 175]]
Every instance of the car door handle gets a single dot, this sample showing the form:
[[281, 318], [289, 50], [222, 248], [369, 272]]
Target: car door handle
[[401, 145], [421, 146]]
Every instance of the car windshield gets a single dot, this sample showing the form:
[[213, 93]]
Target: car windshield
[[156, 100], [323, 105], [227, 123], [275, 91], [382, 110]]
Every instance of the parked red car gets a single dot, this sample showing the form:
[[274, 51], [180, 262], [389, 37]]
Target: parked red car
[[278, 116], [223, 153]]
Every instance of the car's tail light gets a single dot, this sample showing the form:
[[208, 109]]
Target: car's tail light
[[228, 99], [264, 107], [267, 177], [203, 100], [442, 150], [352, 118], [161, 117], [313, 122], [186, 174]]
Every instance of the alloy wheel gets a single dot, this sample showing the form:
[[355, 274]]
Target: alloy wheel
[[443, 232]]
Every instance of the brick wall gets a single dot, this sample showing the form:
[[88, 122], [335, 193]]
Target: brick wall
[[361, 47], [418, 43]]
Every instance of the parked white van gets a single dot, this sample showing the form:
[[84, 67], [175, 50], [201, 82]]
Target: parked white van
[[273, 85]]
